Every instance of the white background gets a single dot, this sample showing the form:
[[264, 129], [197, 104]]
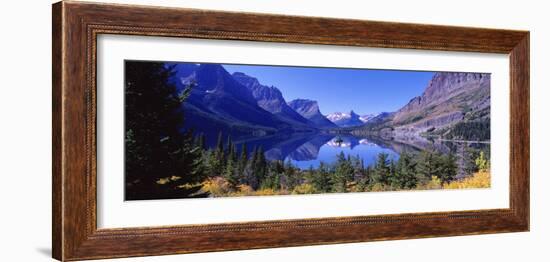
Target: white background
[[25, 136], [114, 212]]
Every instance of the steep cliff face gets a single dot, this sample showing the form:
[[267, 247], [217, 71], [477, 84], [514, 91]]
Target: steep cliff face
[[271, 99], [309, 109], [219, 102], [448, 98]]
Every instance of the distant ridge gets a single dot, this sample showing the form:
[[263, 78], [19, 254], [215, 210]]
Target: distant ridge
[[271, 99], [310, 110]]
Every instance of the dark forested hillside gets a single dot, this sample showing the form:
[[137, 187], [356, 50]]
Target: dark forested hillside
[[155, 147]]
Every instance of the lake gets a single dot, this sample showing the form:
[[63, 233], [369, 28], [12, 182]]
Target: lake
[[349, 145], [306, 150]]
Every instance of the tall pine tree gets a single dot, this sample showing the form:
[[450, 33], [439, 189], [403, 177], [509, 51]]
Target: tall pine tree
[[217, 158], [343, 173], [428, 166], [405, 173], [155, 148], [381, 170], [448, 168], [321, 179]]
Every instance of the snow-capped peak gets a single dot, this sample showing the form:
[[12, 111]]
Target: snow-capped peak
[[367, 117], [337, 116]]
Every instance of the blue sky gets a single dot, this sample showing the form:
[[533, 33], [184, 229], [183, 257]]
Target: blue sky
[[341, 89]]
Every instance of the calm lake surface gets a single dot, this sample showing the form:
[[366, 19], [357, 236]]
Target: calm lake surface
[[306, 150], [349, 145]]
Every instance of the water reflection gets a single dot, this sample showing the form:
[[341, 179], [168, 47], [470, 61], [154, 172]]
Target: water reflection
[[309, 149]]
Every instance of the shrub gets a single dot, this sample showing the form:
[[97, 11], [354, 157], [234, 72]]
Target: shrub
[[480, 179], [481, 162], [220, 187], [266, 192], [242, 190], [166, 180], [378, 187], [217, 187], [304, 189], [434, 183]]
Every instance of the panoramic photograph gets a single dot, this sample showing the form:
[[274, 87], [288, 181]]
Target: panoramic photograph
[[207, 130]]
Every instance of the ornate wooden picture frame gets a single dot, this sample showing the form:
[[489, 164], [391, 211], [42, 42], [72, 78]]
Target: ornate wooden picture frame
[[76, 26]]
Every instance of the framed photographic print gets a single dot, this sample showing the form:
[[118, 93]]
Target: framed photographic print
[[182, 130]]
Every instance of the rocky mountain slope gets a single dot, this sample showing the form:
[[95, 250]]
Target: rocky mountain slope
[[219, 102], [271, 99], [448, 99], [309, 109], [239, 103]]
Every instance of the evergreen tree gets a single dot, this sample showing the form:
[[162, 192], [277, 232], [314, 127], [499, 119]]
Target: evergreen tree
[[217, 160], [291, 176], [219, 144], [261, 167], [230, 174], [248, 176], [474, 130], [392, 173], [381, 170], [232, 153], [273, 179], [210, 162], [428, 166], [155, 148], [230, 170], [470, 157], [243, 160], [251, 170], [269, 181], [448, 168], [364, 182], [405, 172], [343, 173], [321, 179], [229, 146], [200, 144], [356, 164]]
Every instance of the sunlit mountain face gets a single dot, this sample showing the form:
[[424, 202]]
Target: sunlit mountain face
[[254, 114]]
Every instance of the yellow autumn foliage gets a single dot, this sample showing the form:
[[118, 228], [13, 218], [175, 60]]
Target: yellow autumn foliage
[[304, 189], [267, 192], [220, 187], [434, 183], [217, 187], [378, 187], [166, 180], [481, 179]]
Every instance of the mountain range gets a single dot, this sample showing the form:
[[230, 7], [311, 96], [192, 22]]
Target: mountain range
[[271, 99], [218, 102], [448, 99], [310, 110], [239, 104], [349, 119]]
